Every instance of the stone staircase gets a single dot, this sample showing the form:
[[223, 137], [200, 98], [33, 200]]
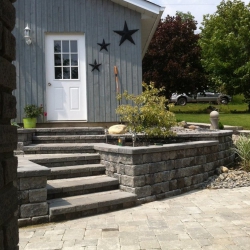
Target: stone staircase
[[77, 184]]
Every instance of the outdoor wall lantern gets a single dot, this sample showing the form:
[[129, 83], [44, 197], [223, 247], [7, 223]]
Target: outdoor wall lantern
[[27, 35]]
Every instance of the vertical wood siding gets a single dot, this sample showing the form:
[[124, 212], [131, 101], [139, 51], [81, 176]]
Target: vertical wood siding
[[96, 19]]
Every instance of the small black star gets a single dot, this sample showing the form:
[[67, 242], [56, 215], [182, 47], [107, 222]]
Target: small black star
[[103, 45], [126, 34], [95, 66]]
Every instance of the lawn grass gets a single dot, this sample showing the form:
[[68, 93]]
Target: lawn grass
[[201, 108], [226, 119], [234, 114]]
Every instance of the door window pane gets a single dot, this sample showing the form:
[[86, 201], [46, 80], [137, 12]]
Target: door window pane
[[58, 73], [74, 59], [65, 46], [74, 72], [73, 46], [57, 60], [57, 46], [65, 54], [65, 59], [66, 72]]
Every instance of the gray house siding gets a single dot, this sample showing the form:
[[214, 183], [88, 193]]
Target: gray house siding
[[96, 19]]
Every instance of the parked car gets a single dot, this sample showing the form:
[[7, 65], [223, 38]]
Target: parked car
[[205, 96]]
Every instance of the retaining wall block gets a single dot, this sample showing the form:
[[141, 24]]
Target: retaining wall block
[[170, 164], [200, 159], [211, 157], [154, 157], [143, 191], [134, 170], [173, 185], [170, 155], [33, 182], [40, 219], [190, 152], [157, 167], [149, 179], [33, 209], [120, 169], [37, 195], [180, 153], [180, 183], [132, 181], [23, 197], [188, 181], [197, 179], [159, 177]]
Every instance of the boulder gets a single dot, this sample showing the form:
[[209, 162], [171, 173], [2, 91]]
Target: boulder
[[117, 129]]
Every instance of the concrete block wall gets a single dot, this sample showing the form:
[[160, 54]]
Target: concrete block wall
[[32, 193], [157, 172], [8, 134]]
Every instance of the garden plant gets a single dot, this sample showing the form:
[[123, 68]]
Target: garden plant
[[147, 113]]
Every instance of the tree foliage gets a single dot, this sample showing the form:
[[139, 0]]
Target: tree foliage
[[225, 43], [147, 113], [173, 57]]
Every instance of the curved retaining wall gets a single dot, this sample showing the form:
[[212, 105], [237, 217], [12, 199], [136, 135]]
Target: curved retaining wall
[[157, 172]]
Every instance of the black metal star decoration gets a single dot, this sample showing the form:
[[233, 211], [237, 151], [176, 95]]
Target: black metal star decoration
[[95, 66], [103, 45], [126, 34]]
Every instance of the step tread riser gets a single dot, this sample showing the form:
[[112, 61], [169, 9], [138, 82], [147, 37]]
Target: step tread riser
[[74, 192]]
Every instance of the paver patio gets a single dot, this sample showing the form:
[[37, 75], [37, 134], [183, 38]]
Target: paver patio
[[202, 219]]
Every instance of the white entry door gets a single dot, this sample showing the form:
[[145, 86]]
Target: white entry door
[[66, 77]]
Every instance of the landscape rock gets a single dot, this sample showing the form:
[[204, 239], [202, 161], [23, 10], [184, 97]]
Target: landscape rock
[[230, 179], [117, 129]]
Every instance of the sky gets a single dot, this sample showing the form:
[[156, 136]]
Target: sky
[[198, 8]]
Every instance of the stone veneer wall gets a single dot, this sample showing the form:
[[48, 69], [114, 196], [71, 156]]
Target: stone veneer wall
[[157, 172], [8, 134]]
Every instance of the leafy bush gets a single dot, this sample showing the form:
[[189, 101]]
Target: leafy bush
[[242, 148], [33, 111], [148, 112], [221, 126]]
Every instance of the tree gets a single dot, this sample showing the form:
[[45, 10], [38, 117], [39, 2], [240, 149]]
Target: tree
[[173, 57], [185, 16], [225, 43]]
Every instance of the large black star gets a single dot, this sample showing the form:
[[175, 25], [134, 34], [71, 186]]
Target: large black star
[[126, 34], [103, 45], [95, 66]]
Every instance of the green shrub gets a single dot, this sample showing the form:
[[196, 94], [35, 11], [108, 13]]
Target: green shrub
[[33, 111], [148, 112], [242, 149], [221, 126]]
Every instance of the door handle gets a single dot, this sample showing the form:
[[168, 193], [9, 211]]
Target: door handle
[[49, 84]]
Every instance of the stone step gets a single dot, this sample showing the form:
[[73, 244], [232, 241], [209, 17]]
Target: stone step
[[68, 139], [57, 148], [60, 160], [76, 171], [70, 131], [81, 185], [89, 204]]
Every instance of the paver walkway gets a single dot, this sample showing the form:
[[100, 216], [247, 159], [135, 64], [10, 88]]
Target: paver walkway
[[203, 219]]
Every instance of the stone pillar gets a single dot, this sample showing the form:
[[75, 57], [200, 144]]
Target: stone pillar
[[8, 133]]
